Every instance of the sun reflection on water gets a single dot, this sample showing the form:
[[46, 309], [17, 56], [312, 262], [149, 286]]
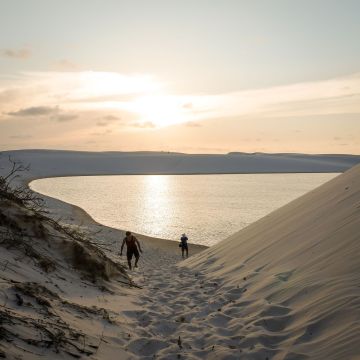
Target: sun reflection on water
[[156, 202]]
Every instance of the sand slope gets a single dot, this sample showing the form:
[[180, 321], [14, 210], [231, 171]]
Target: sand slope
[[292, 279], [56, 297]]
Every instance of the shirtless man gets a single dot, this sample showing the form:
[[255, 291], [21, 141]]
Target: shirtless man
[[132, 249]]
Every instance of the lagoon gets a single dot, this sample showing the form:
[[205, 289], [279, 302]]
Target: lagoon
[[208, 208]]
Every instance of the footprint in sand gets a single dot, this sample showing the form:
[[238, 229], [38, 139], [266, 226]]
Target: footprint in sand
[[284, 276], [275, 310], [164, 327], [274, 324], [235, 293], [146, 347]]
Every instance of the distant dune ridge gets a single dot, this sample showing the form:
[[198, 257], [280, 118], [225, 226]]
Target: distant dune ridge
[[287, 287], [297, 272], [47, 163]]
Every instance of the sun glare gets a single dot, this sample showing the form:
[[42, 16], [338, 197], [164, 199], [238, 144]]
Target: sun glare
[[107, 84], [160, 110], [155, 110], [141, 95]]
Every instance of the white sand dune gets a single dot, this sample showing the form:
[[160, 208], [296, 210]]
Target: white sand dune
[[286, 287]]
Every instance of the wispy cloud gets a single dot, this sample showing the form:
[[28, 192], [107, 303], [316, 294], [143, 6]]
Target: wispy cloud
[[21, 54], [107, 120], [334, 96], [35, 111], [111, 118], [52, 113], [64, 117]]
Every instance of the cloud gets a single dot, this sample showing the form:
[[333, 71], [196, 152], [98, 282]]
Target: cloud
[[111, 118], [35, 111], [107, 120], [64, 117], [334, 96], [54, 113], [21, 54]]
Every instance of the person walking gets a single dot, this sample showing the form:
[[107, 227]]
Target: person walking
[[184, 245], [132, 244]]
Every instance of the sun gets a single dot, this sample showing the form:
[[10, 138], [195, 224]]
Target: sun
[[141, 95], [160, 110]]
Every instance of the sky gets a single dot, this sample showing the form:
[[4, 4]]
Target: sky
[[194, 76]]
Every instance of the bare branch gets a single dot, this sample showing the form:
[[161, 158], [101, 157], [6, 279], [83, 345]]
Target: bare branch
[[20, 194]]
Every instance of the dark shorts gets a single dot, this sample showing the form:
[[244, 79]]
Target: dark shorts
[[184, 246], [132, 251]]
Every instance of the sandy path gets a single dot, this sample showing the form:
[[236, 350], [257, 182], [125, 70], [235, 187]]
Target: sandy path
[[185, 315]]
